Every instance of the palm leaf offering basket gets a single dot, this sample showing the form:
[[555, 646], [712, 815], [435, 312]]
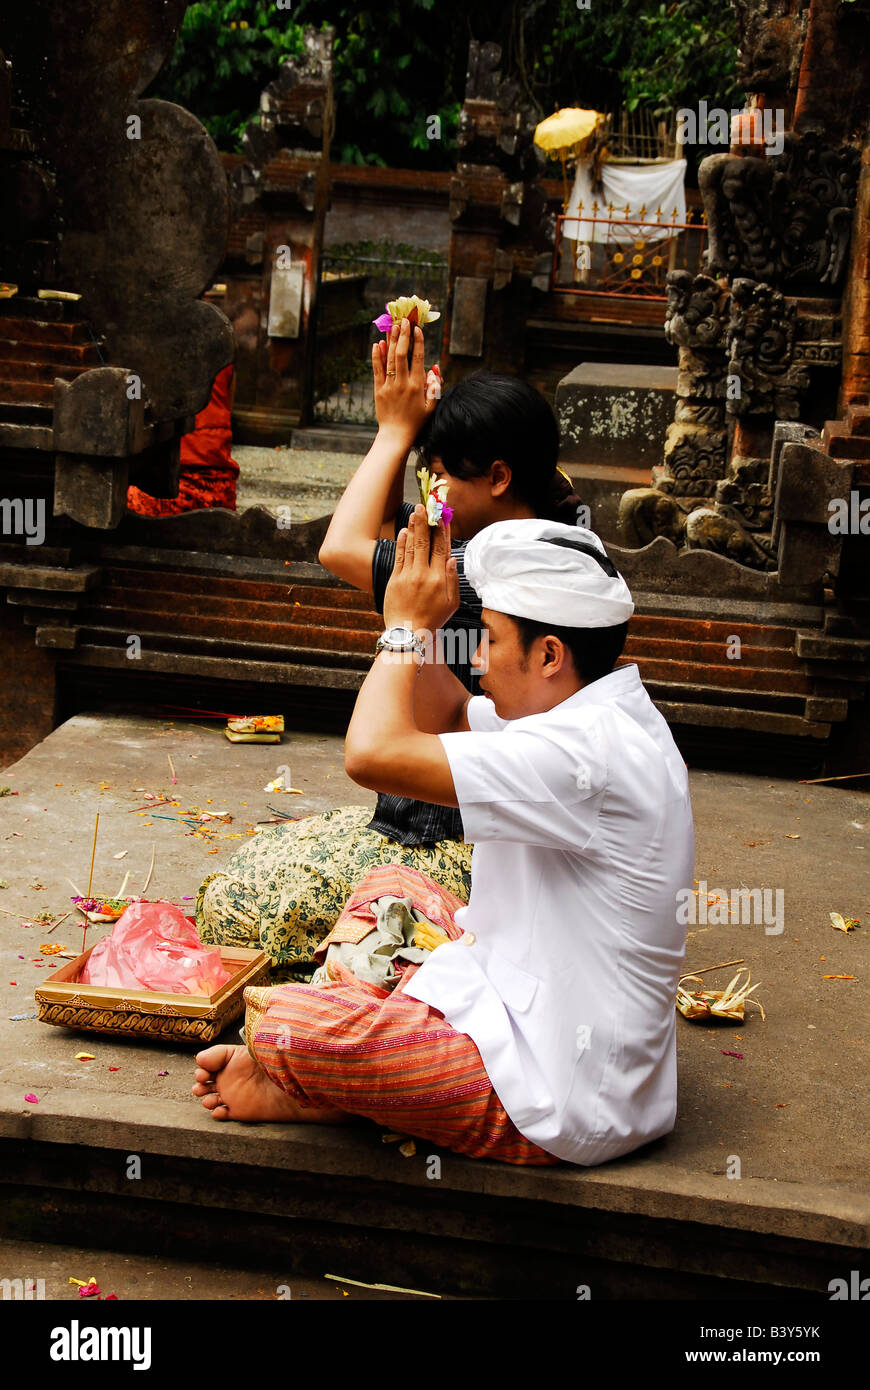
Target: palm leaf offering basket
[[194, 1018]]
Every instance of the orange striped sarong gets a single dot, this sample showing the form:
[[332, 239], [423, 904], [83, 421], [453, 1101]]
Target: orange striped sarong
[[352, 1046]]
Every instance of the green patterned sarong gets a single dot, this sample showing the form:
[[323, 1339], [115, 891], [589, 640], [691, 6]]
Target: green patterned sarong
[[282, 892]]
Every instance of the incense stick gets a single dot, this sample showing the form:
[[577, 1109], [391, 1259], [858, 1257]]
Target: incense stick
[[846, 777], [172, 770], [708, 968], [150, 871], [90, 881]]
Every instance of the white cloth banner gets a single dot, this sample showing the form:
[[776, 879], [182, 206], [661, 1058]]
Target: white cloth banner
[[649, 186]]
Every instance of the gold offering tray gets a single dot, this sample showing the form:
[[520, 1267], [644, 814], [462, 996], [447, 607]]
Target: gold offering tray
[[195, 1018]]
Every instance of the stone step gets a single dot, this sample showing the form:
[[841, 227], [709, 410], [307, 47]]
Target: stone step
[[47, 311], [25, 393], [39, 330], [710, 653], [338, 1199], [858, 418], [239, 629], [15, 369], [191, 627], [665, 1221], [25, 436], [340, 439], [186, 582], [846, 446], [208, 661], [669, 680], [712, 630], [153, 601], [14, 349], [750, 718]]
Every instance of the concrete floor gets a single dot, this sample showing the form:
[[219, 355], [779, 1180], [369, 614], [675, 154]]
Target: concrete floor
[[792, 1108], [310, 481], [181, 1281]]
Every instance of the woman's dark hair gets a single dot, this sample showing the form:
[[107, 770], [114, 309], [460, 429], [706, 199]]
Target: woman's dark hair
[[594, 650], [486, 417]]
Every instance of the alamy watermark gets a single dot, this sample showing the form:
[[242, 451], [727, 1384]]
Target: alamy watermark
[[855, 1288], [744, 907], [451, 647], [23, 517], [22, 1289], [849, 516], [712, 126]]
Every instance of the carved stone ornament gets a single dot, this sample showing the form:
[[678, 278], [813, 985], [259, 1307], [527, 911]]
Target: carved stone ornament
[[760, 345], [709, 529], [696, 311], [785, 219], [770, 44], [694, 460]]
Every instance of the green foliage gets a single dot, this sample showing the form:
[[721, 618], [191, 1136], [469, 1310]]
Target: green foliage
[[386, 252], [401, 62], [227, 52], [395, 65], [625, 54], [682, 53]]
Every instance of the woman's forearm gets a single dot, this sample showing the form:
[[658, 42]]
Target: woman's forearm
[[375, 491], [371, 498]]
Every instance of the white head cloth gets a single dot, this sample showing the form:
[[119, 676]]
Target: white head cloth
[[516, 571]]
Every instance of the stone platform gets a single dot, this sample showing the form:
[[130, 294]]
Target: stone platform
[[613, 418], [790, 1114]]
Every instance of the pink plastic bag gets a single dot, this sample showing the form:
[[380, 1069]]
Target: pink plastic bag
[[154, 946]]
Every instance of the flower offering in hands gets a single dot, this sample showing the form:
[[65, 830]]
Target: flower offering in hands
[[433, 495], [407, 306]]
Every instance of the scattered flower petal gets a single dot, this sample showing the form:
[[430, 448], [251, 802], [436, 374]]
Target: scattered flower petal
[[34, 1100], [843, 923], [84, 1056]]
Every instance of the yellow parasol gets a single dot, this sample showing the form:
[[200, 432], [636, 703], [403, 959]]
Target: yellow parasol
[[567, 132]]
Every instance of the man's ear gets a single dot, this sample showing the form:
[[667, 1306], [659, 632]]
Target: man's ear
[[556, 655], [500, 476]]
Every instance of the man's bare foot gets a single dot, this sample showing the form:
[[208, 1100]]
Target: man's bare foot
[[233, 1087]]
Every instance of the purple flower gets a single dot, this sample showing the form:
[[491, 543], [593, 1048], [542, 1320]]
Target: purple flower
[[385, 322], [446, 514]]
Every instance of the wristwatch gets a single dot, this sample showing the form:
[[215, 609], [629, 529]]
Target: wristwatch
[[400, 639]]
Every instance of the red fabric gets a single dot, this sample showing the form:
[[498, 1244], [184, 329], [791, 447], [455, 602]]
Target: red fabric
[[355, 1047], [208, 470], [358, 917]]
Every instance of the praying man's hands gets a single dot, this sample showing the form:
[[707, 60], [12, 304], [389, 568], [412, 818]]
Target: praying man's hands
[[423, 591]]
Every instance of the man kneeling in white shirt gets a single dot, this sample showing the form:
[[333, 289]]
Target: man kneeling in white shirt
[[546, 1031]]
